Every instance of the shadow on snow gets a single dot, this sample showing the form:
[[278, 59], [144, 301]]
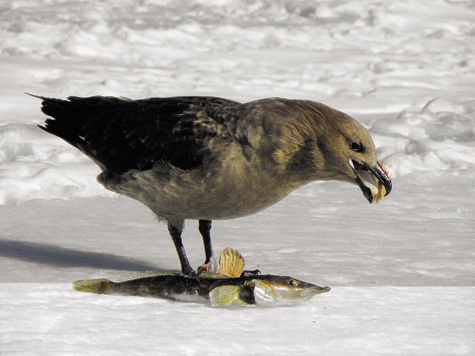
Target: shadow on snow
[[63, 257]]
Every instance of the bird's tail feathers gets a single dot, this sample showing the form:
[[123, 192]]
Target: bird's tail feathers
[[67, 118]]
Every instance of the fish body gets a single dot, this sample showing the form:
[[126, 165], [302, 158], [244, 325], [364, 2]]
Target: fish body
[[218, 290]]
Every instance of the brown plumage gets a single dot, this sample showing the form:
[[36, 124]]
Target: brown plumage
[[209, 158]]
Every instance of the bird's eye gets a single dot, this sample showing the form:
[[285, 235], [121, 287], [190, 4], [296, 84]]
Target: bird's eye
[[355, 146]]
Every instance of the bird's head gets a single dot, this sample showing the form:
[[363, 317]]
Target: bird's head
[[334, 146], [352, 156]]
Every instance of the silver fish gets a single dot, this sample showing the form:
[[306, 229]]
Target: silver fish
[[215, 289]]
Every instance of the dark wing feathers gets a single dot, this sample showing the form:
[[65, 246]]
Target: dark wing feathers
[[237, 121], [122, 134]]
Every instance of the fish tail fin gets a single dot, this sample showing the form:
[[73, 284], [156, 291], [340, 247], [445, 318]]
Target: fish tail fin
[[226, 295], [99, 286]]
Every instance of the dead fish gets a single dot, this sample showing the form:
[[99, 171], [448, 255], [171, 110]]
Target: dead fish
[[216, 289]]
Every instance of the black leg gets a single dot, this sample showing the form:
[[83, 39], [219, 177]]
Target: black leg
[[175, 233], [205, 227]]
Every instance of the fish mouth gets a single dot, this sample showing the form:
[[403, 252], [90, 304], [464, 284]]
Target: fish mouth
[[315, 290], [373, 181], [308, 293]]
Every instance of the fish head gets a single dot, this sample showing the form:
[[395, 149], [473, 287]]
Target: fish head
[[280, 290]]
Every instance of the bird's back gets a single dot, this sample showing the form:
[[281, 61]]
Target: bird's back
[[121, 134]]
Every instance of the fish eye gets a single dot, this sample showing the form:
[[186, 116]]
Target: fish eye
[[293, 283], [355, 146]]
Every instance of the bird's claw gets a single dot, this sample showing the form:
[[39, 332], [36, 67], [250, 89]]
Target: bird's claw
[[203, 268], [189, 272]]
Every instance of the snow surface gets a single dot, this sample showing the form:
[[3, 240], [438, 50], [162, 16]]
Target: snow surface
[[401, 272]]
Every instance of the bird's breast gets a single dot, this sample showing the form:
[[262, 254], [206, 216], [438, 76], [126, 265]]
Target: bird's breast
[[225, 189]]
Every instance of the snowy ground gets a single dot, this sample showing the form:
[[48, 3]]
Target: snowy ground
[[401, 272]]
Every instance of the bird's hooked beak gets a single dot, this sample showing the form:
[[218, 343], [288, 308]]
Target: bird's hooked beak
[[374, 181]]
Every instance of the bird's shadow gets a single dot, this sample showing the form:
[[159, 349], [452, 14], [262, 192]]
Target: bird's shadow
[[56, 256]]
